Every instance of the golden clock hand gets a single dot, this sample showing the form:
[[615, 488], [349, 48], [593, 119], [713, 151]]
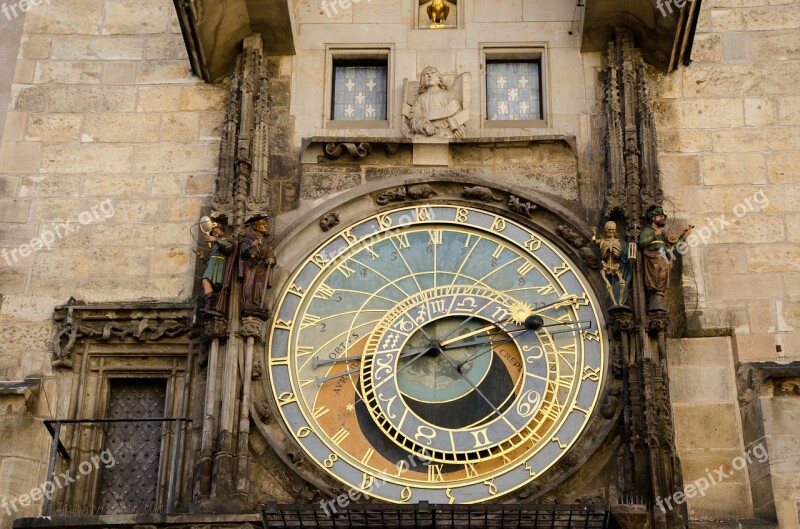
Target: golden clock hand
[[444, 343], [535, 320], [321, 380], [557, 304], [491, 343]]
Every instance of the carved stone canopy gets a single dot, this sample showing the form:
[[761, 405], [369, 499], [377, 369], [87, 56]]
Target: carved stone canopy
[[663, 31], [121, 323]]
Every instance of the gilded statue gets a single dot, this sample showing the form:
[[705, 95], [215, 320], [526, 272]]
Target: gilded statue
[[437, 13]]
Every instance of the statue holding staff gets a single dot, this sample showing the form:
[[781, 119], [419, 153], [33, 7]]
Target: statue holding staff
[[256, 263]]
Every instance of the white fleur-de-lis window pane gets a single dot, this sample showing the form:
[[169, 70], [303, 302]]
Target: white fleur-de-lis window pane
[[359, 90], [513, 90]]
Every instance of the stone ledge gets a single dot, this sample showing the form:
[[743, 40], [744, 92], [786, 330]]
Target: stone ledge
[[151, 520], [361, 146], [732, 524], [22, 388]]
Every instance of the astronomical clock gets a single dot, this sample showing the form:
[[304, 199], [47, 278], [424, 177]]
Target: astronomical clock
[[434, 351]]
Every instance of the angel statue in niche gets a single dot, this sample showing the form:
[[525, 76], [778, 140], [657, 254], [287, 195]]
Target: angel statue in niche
[[432, 109]]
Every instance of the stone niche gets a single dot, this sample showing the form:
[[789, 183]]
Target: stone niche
[[451, 7]]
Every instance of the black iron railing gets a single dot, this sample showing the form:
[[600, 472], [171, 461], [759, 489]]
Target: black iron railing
[[55, 429], [428, 516]]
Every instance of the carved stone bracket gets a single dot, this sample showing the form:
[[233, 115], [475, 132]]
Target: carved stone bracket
[[216, 327], [334, 151], [121, 323], [622, 321], [253, 327], [658, 321]]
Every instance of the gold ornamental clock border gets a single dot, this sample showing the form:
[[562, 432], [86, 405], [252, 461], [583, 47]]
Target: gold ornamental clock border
[[385, 233]]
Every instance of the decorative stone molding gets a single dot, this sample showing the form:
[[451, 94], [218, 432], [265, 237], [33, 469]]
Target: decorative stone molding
[[334, 151], [77, 321]]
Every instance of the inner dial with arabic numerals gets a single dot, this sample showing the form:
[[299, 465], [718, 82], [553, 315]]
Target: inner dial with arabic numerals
[[438, 353]]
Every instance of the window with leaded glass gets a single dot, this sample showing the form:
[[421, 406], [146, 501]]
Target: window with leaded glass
[[359, 90], [514, 87]]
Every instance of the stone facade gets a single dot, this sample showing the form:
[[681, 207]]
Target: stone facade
[[104, 110], [729, 143], [106, 118]]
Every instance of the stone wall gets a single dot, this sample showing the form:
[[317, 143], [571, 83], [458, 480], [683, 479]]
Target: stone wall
[[729, 135], [107, 129], [708, 429], [9, 47]]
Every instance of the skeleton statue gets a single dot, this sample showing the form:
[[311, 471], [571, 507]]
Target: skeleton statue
[[432, 109], [616, 269]]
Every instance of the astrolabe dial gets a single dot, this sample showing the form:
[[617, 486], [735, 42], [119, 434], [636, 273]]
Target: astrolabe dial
[[437, 352]]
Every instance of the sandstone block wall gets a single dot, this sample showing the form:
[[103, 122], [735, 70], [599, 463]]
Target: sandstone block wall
[[105, 115], [708, 429], [106, 129], [729, 134]]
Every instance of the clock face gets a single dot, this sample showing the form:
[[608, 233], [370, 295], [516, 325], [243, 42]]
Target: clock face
[[436, 352]]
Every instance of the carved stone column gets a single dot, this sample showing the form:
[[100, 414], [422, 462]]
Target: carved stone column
[[221, 474], [650, 468]]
